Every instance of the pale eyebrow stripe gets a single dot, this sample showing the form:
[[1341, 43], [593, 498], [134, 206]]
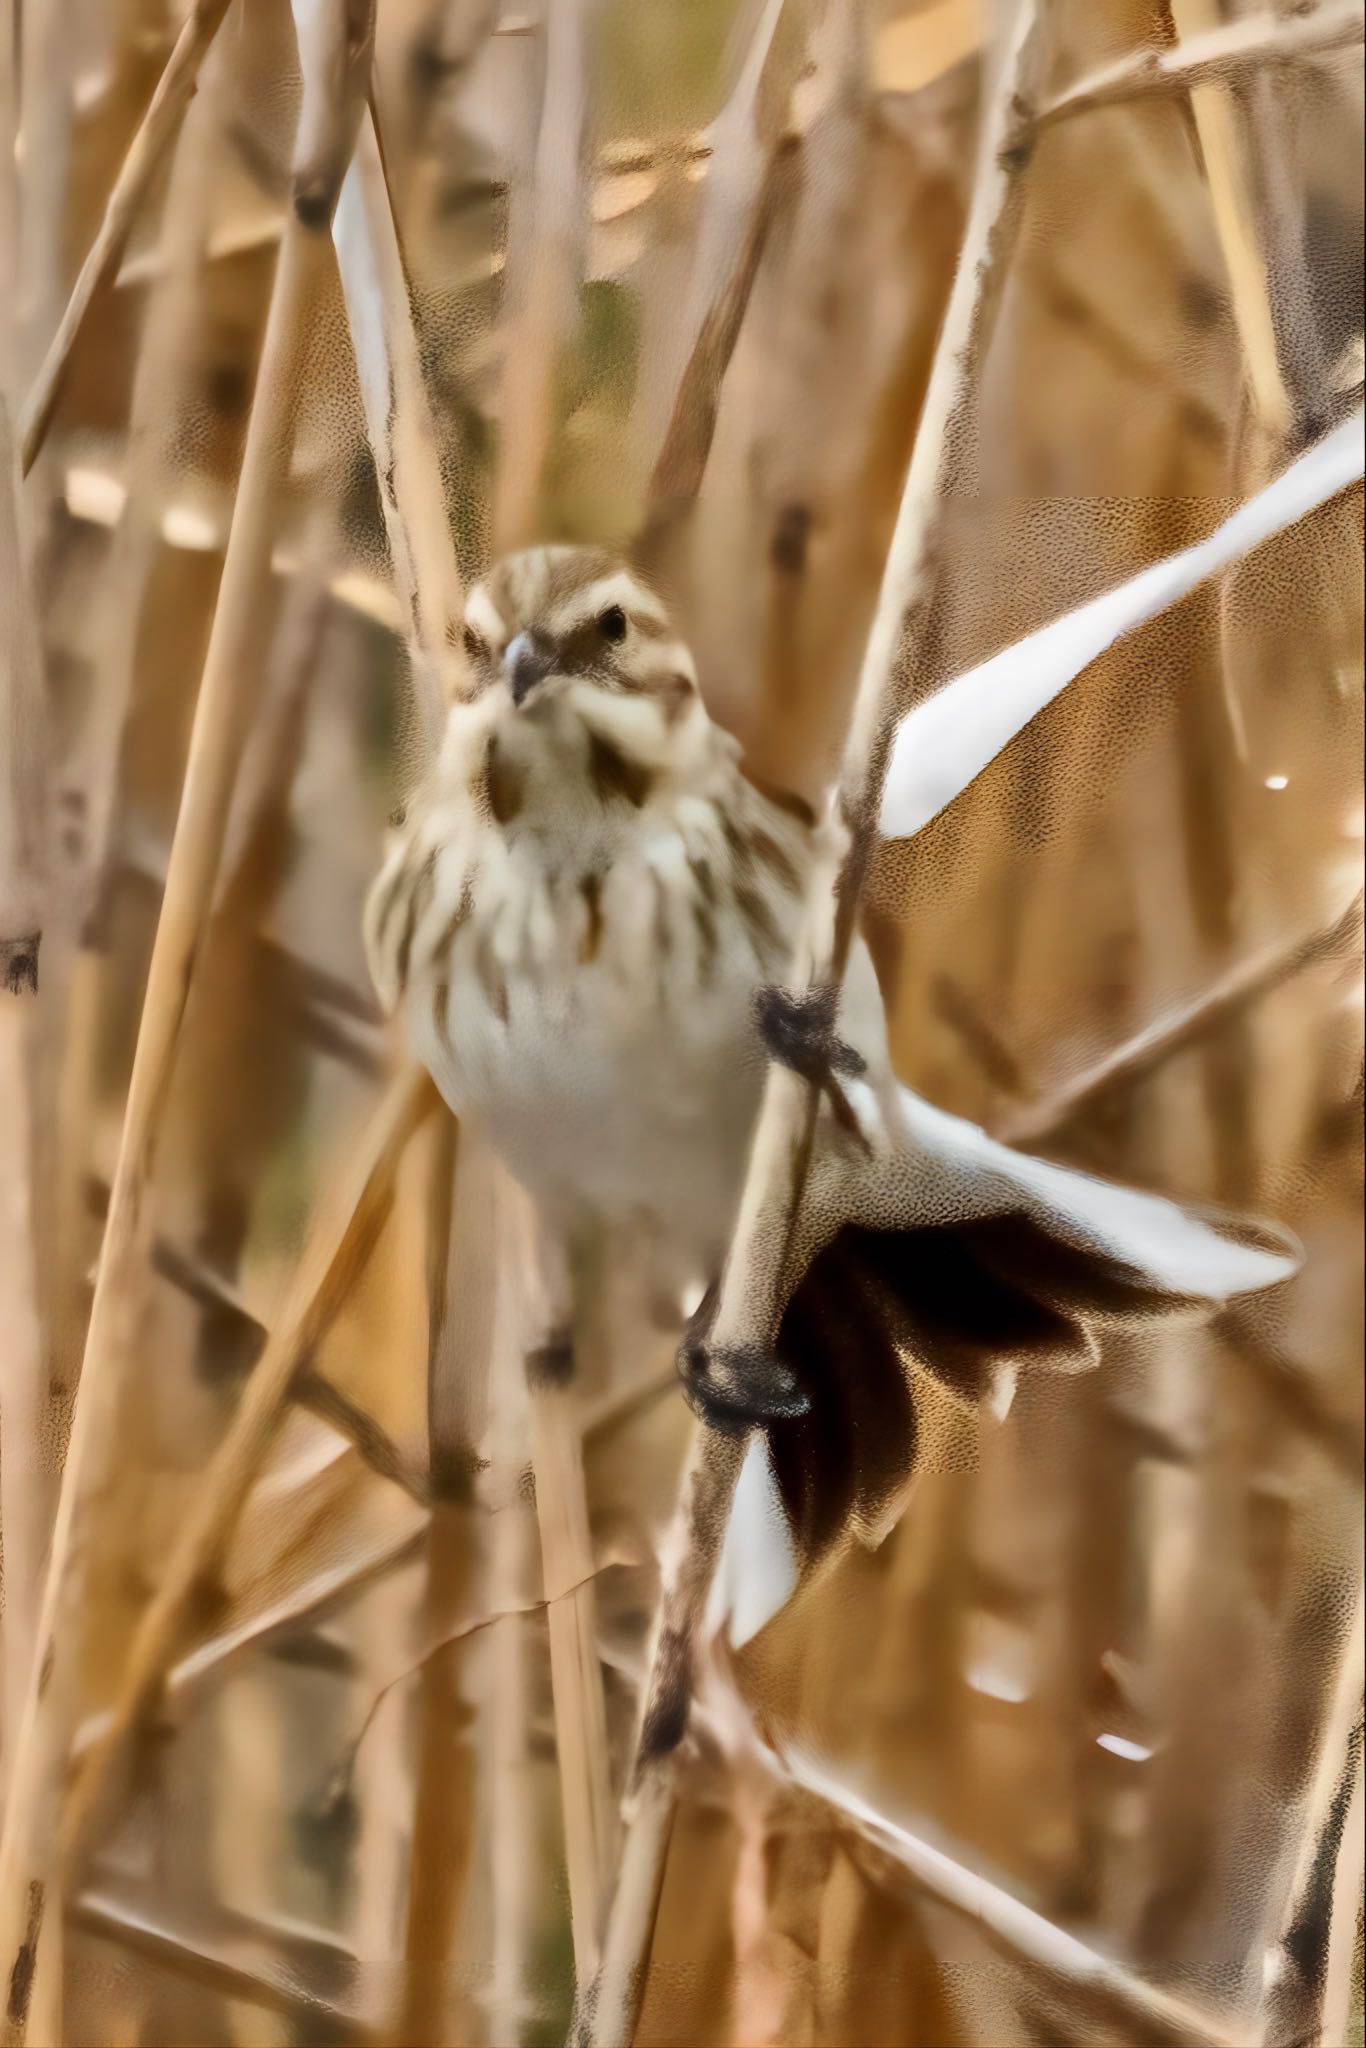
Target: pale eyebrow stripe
[[482, 614], [618, 588]]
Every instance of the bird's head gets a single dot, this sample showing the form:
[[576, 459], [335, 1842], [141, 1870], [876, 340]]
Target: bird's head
[[569, 650]]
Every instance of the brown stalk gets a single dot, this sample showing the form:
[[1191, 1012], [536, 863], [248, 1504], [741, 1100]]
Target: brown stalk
[[1213, 56], [1226, 172], [264, 1964], [682, 460], [545, 258], [1334, 1762], [139, 167], [339, 1242], [1138, 1056], [751, 1288], [441, 1795], [398, 418], [590, 1818], [745, 177], [26, 1489], [222, 715], [1023, 1932]]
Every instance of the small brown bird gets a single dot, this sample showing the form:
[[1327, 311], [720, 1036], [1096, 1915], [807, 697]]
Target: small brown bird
[[585, 916]]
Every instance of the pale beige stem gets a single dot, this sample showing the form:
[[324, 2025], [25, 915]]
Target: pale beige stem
[[398, 418], [751, 1288], [590, 1821], [26, 1485], [1226, 173], [145, 152], [1211, 57], [222, 715], [339, 1242], [544, 265]]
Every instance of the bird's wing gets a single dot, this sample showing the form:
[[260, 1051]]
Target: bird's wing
[[939, 1250]]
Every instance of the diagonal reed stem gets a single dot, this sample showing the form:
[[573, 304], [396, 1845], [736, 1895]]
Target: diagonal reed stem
[[145, 152], [752, 1284], [1211, 58], [222, 715]]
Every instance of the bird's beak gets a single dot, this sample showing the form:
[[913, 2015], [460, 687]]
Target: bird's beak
[[529, 660]]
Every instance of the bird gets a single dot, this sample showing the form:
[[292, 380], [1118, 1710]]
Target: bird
[[585, 916]]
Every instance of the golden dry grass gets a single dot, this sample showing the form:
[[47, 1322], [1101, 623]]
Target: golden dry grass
[[325, 1637]]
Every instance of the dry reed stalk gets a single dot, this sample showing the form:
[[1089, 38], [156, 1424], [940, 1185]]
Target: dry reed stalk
[[739, 147], [682, 459], [26, 1489], [312, 1601], [1341, 1964], [743, 189], [1145, 1050], [222, 714], [1210, 57], [590, 1819], [545, 257], [1226, 173], [751, 1287], [461, 1249], [511, 1823], [261, 1962], [339, 1241], [154, 421], [398, 418], [27, 1480], [1334, 1764], [139, 167], [1066, 1962]]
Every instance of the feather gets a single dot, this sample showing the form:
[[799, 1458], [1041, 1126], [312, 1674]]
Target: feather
[[944, 744]]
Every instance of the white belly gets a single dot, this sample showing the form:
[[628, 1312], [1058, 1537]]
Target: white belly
[[622, 1085]]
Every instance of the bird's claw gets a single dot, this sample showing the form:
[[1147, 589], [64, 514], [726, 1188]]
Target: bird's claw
[[799, 1032], [738, 1389]]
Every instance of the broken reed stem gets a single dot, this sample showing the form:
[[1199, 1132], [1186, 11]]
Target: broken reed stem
[[1213, 57], [590, 1817], [545, 258], [751, 1287], [1226, 173], [682, 460], [222, 715], [1340, 1726], [398, 418], [339, 1242], [145, 152], [27, 1489], [744, 183], [1147, 1049], [1030, 1935]]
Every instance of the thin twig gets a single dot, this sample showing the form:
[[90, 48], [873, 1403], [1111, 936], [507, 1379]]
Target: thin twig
[[222, 714], [1234, 992], [139, 167], [1067, 1962], [1214, 57], [27, 1490], [339, 1242], [751, 1287], [261, 1962], [398, 418], [1226, 172], [1334, 1761], [544, 263]]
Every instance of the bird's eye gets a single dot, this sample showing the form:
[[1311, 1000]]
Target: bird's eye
[[474, 646], [612, 623]]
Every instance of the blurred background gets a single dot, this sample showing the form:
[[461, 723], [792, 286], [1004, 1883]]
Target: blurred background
[[1107, 1663]]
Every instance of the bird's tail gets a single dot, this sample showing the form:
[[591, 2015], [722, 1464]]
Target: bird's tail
[[1042, 1259]]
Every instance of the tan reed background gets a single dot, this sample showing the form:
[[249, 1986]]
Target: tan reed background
[[320, 1735]]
